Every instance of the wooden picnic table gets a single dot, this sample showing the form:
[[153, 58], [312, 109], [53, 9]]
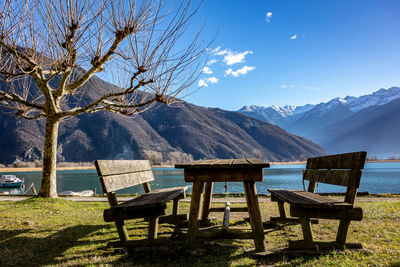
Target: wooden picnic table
[[206, 172]]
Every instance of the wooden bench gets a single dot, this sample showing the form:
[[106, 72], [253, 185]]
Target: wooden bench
[[342, 170], [121, 174]]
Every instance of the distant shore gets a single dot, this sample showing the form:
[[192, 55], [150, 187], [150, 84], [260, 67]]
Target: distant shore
[[38, 169]]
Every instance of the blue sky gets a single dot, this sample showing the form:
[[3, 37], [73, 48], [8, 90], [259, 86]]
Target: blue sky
[[297, 52]]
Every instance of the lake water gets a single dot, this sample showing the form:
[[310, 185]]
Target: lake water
[[376, 178]]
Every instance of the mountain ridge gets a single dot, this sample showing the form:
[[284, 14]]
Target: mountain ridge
[[329, 123], [182, 128], [355, 104]]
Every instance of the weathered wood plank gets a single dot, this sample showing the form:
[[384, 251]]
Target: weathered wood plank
[[354, 160], [222, 175], [224, 163], [257, 162], [126, 213], [121, 181], [240, 162], [307, 231], [300, 198], [207, 201], [281, 207], [153, 228], [342, 231], [335, 177], [351, 194], [354, 214], [254, 214], [146, 187], [173, 219], [154, 197], [112, 167], [194, 214], [290, 220]]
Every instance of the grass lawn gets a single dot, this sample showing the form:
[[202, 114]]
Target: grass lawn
[[58, 232]]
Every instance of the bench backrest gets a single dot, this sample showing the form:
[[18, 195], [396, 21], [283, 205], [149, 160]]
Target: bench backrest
[[120, 174], [341, 169]]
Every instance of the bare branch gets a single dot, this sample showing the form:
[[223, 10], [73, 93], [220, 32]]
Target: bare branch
[[16, 98]]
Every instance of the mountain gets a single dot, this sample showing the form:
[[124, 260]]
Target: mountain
[[342, 124], [281, 116], [318, 117], [305, 120], [375, 129], [202, 132], [216, 133]]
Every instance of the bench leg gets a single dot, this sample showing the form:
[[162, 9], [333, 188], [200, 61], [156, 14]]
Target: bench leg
[[153, 227], [175, 207], [121, 229], [281, 207], [193, 226], [342, 231], [206, 202], [307, 231], [255, 215]]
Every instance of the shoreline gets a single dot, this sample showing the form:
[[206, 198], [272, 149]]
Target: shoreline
[[38, 169]]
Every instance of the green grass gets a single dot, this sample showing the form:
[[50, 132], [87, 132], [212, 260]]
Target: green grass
[[57, 232]]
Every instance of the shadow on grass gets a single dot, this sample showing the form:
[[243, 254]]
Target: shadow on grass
[[208, 254], [38, 251], [5, 234], [284, 255]]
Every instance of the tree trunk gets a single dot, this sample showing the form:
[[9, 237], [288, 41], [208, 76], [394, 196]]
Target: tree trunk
[[48, 187]]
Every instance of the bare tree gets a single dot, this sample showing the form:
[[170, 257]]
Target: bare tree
[[153, 156], [179, 157], [50, 49], [257, 153]]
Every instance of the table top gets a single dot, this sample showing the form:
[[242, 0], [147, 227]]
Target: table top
[[224, 164]]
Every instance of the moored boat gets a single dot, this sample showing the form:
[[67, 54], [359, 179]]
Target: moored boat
[[10, 180]]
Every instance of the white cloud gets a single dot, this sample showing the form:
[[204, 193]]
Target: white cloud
[[212, 80], [215, 50], [268, 16], [212, 61], [238, 72], [207, 70], [202, 83], [218, 52], [283, 86], [234, 57], [205, 82], [222, 52], [293, 37], [230, 57]]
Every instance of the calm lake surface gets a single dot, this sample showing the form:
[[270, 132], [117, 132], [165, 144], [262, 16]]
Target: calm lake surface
[[376, 178]]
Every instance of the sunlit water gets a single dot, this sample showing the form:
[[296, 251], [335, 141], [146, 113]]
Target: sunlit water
[[376, 178]]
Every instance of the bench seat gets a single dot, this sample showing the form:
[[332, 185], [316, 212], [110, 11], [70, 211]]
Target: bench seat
[[305, 199], [149, 204]]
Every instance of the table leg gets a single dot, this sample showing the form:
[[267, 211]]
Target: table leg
[[207, 201], [194, 214], [254, 214]]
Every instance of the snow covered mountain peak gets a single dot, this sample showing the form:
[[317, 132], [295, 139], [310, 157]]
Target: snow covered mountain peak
[[279, 114]]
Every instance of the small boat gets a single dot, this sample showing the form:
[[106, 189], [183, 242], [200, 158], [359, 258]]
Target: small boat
[[10, 180]]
